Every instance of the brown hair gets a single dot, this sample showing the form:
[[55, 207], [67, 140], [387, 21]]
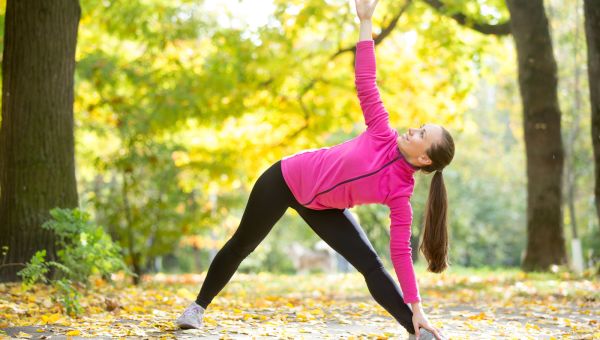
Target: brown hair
[[435, 236]]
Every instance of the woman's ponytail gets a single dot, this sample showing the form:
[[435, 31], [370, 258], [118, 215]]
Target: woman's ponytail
[[435, 236]]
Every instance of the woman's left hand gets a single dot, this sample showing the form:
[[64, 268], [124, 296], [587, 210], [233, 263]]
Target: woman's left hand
[[365, 8], [420, 320]]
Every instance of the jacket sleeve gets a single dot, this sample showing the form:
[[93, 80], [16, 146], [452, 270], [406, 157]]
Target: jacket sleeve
[[400, 249], [376, 116]]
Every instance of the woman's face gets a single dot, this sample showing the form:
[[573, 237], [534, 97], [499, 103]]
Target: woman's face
[[415, 142]]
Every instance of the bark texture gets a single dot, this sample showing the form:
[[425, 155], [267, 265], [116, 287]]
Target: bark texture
[[543, 144], [37, 171]]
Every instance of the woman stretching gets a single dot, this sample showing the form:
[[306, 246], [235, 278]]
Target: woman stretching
[[375, 167]]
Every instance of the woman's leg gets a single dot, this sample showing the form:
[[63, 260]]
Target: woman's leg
[[343, 233], [269, 199]]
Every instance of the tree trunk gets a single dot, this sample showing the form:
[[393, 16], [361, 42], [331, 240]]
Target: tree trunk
[[543, 144], [592, 33], [37, 171]]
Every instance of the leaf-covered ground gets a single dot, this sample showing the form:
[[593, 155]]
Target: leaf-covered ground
[[465, 305]]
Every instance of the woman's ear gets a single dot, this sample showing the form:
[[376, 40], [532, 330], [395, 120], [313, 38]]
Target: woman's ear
[[424, 159]]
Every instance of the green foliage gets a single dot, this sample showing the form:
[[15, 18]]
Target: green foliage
[[84, 250], [145, 202], [68, 296], [36, 269], [184, 105]]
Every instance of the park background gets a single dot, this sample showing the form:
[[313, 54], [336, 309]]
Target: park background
[[178, 106]]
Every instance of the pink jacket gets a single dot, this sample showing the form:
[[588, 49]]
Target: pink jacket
[[366, 169]]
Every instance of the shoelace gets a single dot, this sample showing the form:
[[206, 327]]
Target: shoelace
[[192, 311]]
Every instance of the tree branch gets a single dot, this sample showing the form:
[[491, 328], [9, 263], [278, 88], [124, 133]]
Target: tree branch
[[461, 18], [385, 32], [379, 37], [305, 110], [12, 264]]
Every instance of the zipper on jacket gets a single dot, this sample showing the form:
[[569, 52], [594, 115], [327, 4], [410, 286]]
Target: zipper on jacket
[[352, 179]]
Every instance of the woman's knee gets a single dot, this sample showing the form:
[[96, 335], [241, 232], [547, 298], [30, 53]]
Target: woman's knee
[[239, 249], [373, 265]]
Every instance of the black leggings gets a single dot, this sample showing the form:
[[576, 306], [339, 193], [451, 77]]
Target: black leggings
[[269, 199]]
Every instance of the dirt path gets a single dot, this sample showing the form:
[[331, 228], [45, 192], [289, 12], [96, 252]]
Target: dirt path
[[456, 321], [318, 307]]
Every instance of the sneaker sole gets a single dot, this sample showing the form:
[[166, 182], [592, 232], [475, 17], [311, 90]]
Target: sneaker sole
[[187, 326]]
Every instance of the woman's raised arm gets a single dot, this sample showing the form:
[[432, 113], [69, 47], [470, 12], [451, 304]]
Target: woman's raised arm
[[364, 10], [376, 116]]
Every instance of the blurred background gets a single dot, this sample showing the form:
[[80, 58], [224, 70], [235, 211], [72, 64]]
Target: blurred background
[[180, 105]]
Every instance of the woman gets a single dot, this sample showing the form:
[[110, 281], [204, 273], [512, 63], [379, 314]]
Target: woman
[[375, 167]]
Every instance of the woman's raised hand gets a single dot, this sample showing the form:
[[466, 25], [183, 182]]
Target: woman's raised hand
[[365, 8]]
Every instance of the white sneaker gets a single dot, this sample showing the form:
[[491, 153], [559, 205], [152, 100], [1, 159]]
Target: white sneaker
[[191, 317], [424, 335]]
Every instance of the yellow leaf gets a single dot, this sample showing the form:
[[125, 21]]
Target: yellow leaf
[[303, 317], [16, 291], [479, 316], [317, 311], [186, 294], [209, 321], [138, 309], [52, 318], [74, 332]]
